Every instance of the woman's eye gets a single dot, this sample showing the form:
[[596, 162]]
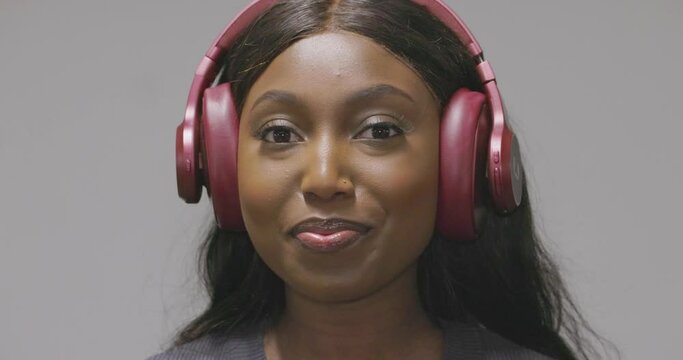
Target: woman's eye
[[383, 130], [278, 135]]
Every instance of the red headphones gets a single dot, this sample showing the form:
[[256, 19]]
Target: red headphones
[[475, 142]]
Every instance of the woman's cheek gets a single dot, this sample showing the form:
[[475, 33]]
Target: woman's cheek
[[403, 178], [407, 188], [263, 187]]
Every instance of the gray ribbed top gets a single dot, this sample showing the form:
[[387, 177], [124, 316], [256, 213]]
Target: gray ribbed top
[[461, 342]]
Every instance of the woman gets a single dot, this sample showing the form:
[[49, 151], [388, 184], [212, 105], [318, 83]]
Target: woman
[[339, 236]]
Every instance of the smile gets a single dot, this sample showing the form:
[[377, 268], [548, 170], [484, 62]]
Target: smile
[[328, 235]]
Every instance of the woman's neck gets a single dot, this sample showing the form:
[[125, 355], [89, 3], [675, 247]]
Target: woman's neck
[[387, 324]]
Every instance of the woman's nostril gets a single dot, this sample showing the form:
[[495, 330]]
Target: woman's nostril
[[323, 189]]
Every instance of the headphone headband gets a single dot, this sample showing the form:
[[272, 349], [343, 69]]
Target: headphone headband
[[256, 8]]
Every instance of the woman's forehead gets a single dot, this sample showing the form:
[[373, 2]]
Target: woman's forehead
[[336, 65]]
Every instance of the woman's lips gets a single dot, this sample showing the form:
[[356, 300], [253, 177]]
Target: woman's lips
[[328, 235], [328, 243]]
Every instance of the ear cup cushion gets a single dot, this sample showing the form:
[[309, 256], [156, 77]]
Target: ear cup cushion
[[465, 127], [220, 130]]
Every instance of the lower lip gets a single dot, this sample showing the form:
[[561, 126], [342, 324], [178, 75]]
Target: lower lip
[[328, 243]]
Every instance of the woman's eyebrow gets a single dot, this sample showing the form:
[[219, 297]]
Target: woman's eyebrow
[[280, 96], [377, 91], [370, 93]]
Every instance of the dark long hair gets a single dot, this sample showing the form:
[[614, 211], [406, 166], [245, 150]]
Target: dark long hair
[[505, 279]]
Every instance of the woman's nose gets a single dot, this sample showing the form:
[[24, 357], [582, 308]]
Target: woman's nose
[[325, 171]]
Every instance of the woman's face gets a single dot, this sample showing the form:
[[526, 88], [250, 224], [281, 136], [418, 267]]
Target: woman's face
[[327, 157]]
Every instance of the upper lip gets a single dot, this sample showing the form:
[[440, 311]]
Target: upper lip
[[327, 226]]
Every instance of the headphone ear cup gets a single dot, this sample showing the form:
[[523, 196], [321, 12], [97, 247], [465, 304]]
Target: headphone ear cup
[[220, 133], [464, 136]]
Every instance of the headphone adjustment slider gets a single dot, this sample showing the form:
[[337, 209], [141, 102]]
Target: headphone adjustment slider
[[485, 72]]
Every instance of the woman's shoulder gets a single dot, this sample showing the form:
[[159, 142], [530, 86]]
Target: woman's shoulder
[[473, 341], [242, 346]]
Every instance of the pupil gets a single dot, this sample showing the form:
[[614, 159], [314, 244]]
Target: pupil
[[281, 135], [381, 131]]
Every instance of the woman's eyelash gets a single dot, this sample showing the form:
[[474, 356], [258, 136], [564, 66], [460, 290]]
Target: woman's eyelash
[[385, 125], [273, 129], [399, 125]]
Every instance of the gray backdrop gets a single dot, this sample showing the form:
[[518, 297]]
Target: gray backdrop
[[97, 251]]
